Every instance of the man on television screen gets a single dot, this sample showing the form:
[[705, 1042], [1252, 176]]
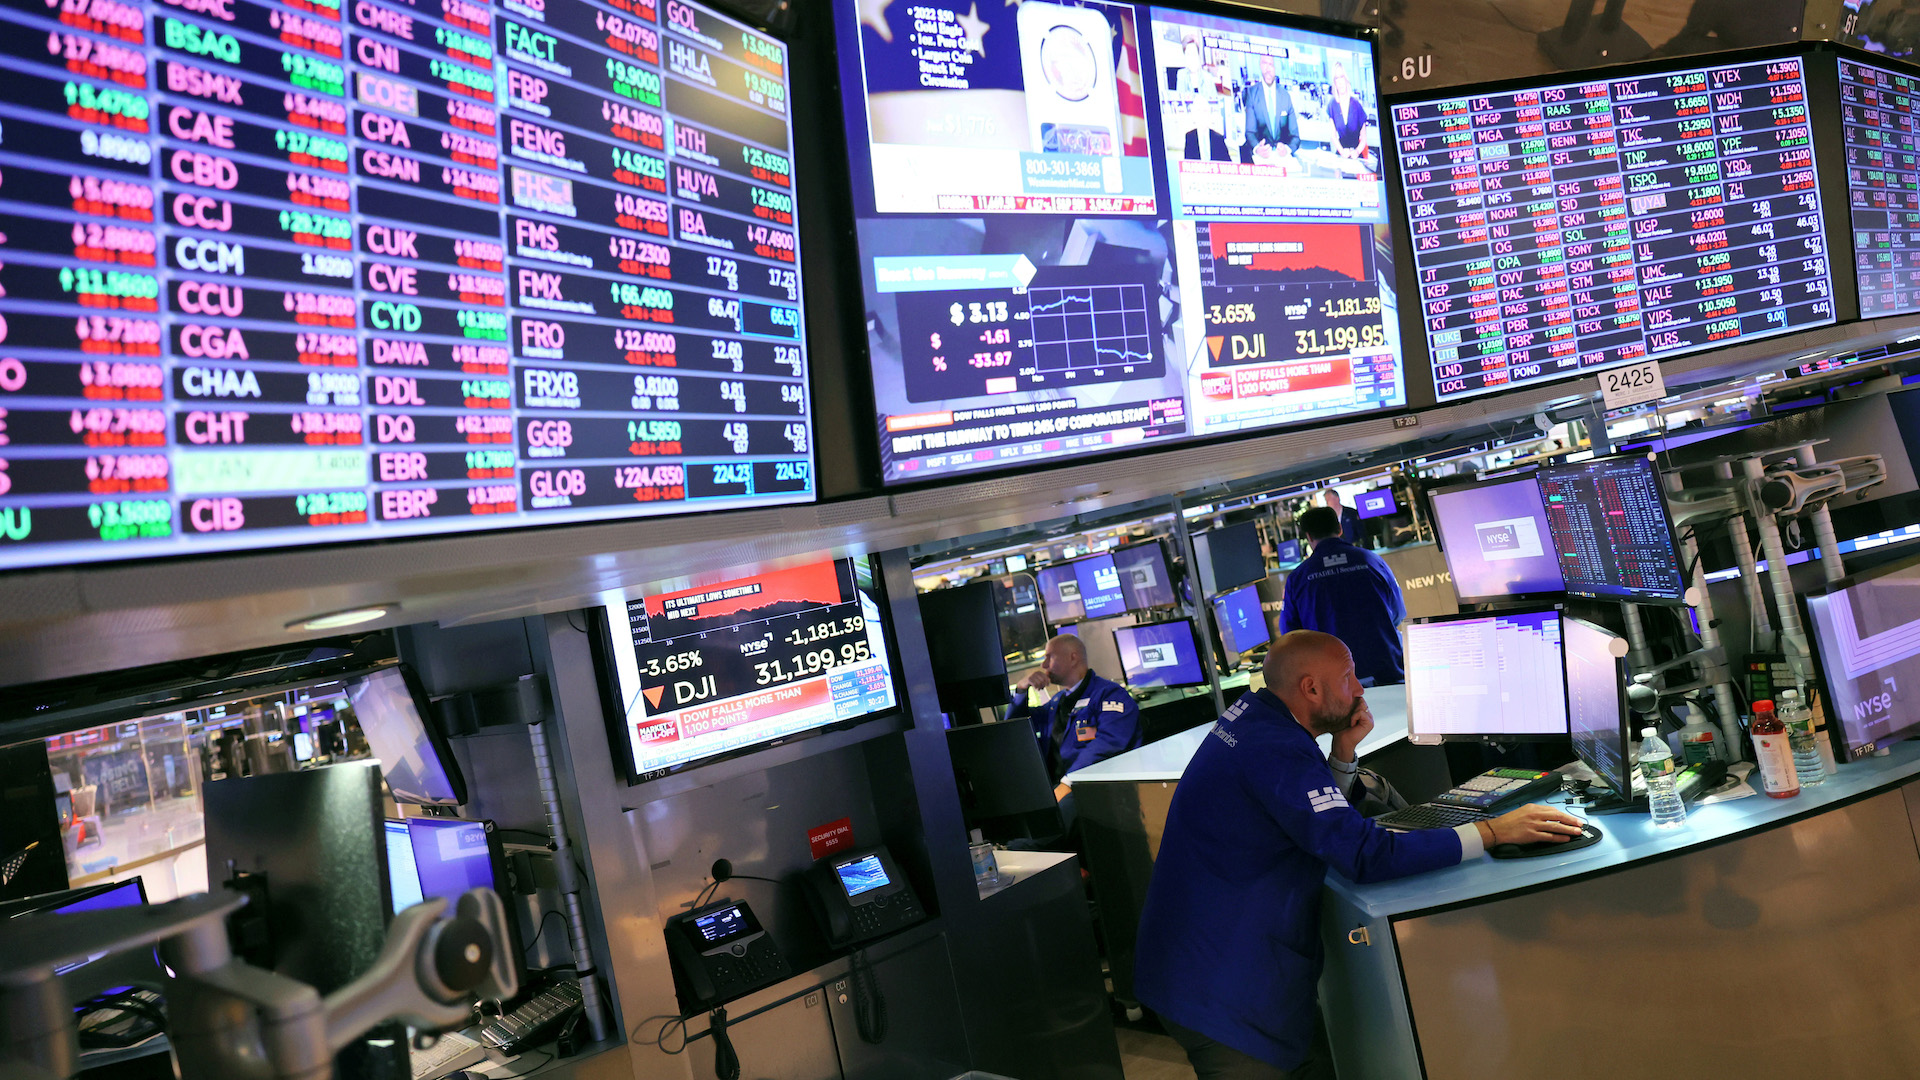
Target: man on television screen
[[1347, 591], [1273, 128]]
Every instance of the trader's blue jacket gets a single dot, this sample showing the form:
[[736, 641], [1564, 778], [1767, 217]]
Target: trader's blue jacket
[[1349, 592], [1103, 721], [1229, 940]]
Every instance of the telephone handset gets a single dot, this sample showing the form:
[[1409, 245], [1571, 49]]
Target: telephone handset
[[720, 952], [861, 895]]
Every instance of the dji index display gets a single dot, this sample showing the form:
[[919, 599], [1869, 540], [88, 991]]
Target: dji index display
[[312, 271], [1568, 228]]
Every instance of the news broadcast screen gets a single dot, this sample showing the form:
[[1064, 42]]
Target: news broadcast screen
[[1088, 227], [308, 271], [721, 669]]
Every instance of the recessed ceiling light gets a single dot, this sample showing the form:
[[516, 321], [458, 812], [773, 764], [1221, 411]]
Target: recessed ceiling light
[[335, 620]]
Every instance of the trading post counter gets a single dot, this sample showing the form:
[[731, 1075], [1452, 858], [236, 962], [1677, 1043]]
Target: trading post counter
[[1762, 938]]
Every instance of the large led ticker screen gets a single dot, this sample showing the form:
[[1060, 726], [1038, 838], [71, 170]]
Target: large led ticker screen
[[1562, 229], [1087, 227], [1877, 117], [318, 270]]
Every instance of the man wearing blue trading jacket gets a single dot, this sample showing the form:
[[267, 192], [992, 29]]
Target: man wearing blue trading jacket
[[1090, 720], [1229, 946], [1349, 592]]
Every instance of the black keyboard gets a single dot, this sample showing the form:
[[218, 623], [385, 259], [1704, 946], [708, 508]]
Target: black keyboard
[[537, 1020], [1430, 816]]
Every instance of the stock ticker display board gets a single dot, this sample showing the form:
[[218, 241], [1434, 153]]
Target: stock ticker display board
[[1567, 228], [321, 270], [1097, 226]]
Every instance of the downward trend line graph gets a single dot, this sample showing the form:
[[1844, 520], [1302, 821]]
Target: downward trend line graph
[[1084, 327]]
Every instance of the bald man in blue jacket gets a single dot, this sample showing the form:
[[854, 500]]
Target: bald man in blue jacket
[[1229, 949]]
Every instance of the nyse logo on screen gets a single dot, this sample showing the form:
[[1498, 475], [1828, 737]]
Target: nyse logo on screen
[[1153, 656], [1513, 538]]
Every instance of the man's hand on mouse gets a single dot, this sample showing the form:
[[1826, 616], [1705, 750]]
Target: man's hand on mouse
[[1530, 824]]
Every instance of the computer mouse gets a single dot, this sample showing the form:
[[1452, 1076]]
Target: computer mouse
[[1589, 834]]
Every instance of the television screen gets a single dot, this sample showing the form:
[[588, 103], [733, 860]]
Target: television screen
[[1497, 540], [1867, 633], [1016, 564], [1229, 557], [731, 667], [342, 273], [1159, 654], [1043, 286], [1375, 504], [450, 856], [1609, 524], [1060, 593], [1578, 225], [1100, 592], [1877, 104], [1144, 577], [1243, 627]]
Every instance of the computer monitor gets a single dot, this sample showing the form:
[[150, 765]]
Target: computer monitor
[[1144, 578], [1289, 552], [1497, 677], [1866, 634], [1373, 504], [1159, 654], [1023, 626], [1060, 593], [1597, 716], [1005, 791], [403, 873], [414, 757], [964, 647], [1016, 564], [1099, 581], [1609, 524], [1242, 627], [452, 856], [1496, 540], [1229, 557]]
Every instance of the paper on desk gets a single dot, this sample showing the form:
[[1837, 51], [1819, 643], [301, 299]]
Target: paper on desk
[[1735, 786]]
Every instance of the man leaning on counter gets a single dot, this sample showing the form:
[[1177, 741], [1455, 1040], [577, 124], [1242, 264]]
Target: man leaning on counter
[[1229, 950]]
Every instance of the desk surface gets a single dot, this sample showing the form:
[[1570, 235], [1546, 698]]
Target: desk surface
[[1629, 838], [1167, 759]]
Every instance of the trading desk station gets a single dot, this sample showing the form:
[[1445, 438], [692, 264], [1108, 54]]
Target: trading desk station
[[705, 539]]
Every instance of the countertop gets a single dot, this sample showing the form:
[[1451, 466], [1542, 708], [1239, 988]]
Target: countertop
[[1629, 838]]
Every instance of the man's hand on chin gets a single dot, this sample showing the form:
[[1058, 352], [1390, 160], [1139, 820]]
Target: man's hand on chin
[[1346, 744]]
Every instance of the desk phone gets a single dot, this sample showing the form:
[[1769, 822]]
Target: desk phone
[[720, 952], [861, 895]]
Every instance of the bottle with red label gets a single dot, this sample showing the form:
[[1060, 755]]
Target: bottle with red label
[[1773, 752]]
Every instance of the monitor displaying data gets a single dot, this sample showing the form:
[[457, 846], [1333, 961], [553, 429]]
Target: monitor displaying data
[[1497, 540], [1609, 525], [305, 272], [1866, 633], [1144, 576], [1485, 677], [1159, 654], [1094, 226], [1878, 106], [1596, 701], [1243, 627], [1574, 226], [721, 669]]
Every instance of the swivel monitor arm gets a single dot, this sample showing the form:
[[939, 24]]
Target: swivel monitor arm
[[228, 1019]]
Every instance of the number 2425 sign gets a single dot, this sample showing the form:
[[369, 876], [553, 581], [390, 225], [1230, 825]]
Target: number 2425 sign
[[1633, 384]]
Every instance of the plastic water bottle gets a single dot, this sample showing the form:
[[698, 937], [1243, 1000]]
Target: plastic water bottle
[[1659, 770], [1807, 764]]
